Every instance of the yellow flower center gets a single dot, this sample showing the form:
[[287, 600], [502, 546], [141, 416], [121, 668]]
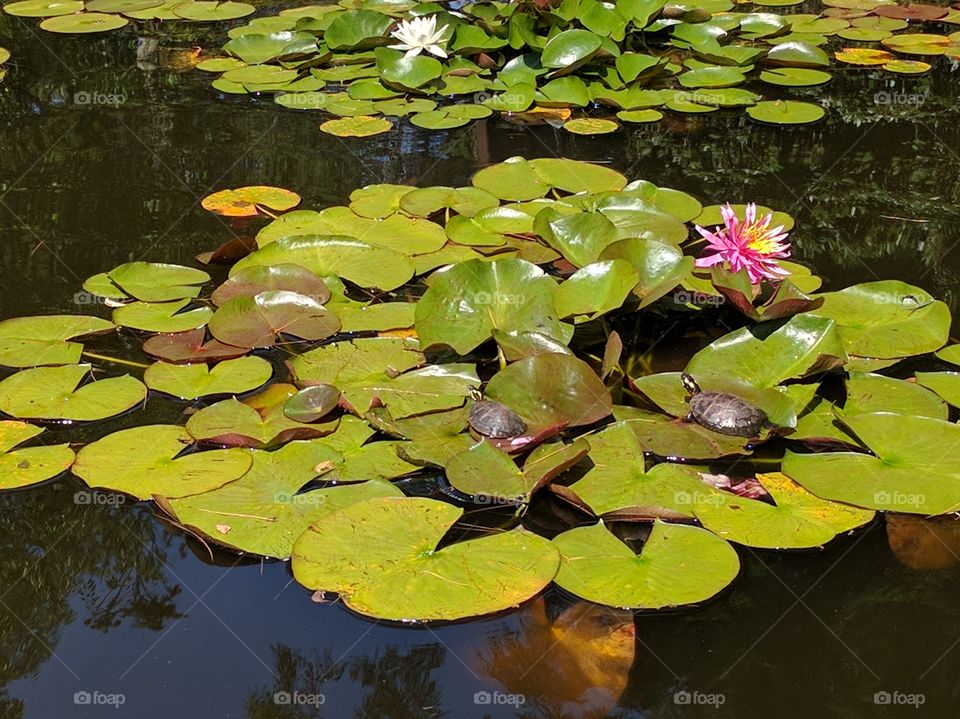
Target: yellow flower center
[[759, 239]]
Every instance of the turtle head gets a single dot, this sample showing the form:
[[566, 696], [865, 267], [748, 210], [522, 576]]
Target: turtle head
[[689, 383]]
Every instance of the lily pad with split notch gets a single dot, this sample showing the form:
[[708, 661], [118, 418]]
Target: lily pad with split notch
[[149, 460], [264, 511], [409, 579], [55, 393], [677, 565], [28, 465], [193, 381]]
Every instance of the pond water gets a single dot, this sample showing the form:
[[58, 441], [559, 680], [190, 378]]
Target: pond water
[[111, 600]]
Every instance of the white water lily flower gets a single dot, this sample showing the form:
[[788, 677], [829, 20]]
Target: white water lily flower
[[419, 34]]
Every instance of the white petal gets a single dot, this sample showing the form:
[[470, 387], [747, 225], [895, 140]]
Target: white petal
[[436, 50], [413, 52]]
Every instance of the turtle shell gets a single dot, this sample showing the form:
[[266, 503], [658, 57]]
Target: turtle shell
[[727, 414], [495, 420]]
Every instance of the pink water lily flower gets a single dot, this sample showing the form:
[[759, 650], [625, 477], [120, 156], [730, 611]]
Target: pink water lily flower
[[752, 245]]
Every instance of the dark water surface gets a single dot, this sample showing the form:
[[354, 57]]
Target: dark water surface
[[111, 600]]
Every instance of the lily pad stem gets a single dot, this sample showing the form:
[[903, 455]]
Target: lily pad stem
[[114, 360]]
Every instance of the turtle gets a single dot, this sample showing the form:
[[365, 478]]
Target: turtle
[[723, 412], [495, 420]]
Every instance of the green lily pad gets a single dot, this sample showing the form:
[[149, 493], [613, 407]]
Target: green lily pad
[[945, 384], [640, 116], [590, 126], [795, 77], [264, 511], [408, 578], [804, 346], [596, 289], [913, 468], [248, 201], [356, 29], [887, 319], [83, 23], [144, 461], [786, 112], [659, 266], [335, 256], [550, 390], [359, 126], [42, 340], [52, 393], [192, 346], [520, 179], [466, 302], [258, 421], [192, 381], [43, 8], [384, 371], [466, 201], [798, 520], [918, 44], [261, 320], [312, 403], [161, 316], [154, 282], [211, 11], [619, 484], [255, 48], [28, 465], [488, 473], [678, 565], [570, 48], [675, 438]]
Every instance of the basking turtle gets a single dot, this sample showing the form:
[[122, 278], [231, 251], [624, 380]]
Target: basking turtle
[[723, 412], [495, 420]]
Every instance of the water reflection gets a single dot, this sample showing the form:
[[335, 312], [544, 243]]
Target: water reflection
[[85, 187]]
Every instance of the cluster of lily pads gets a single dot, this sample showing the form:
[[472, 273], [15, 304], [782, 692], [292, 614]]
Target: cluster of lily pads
[[348, 348], [582, 64], [90, 16]]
